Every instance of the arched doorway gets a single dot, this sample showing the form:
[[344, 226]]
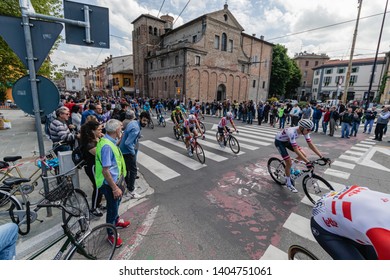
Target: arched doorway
[[221, 92]]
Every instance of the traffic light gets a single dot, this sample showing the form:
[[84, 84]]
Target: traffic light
[[178, 90]]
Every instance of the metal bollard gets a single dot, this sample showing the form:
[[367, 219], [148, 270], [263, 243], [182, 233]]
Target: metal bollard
[[65, 164]]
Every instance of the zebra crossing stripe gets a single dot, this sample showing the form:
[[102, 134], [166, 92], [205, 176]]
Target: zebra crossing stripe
[[359, 149], [242, 145], [364, 145], [262, 128], [354, 153], [208, 155], [258, 131], [261, 143], [368, 142], [337, 173], [354, 159], [160, 170], [299, 225], [274, 253], [270, 138], [344, 164], [180, 158]]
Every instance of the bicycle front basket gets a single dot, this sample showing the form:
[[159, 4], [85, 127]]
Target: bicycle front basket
[[59, 188]]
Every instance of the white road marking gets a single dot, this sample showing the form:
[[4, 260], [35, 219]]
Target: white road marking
[[359, 149], [274, 253], [344, 164], [299, 225], [354, 153], [160, 170], [354, 159], [337, 173]]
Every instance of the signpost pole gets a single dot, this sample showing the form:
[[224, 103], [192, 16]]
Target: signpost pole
[[34, 91]]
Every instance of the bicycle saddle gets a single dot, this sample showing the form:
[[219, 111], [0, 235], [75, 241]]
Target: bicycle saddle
[[15, 181], [12, 158], [3, 164]]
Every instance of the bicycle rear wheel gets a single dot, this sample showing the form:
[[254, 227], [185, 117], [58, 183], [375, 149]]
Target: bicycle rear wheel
[[234, 145], [315, 186], [94, 245], [200, 153], [8, 206], [276, 169], [202, 127], [76, 203], [296, 252], [163, 122], [176, 133]]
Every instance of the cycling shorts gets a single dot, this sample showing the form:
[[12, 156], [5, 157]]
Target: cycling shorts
[[221, 130], [191, 131], [282, 148]]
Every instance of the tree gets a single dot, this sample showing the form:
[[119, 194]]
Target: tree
[[11, 68], [285, 74]]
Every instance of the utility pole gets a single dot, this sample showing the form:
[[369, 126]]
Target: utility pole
[[376, 58], [348, 76]]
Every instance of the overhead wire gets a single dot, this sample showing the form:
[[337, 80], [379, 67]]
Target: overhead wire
[[161, 8]]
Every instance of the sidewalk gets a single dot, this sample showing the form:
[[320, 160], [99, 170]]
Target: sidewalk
[[21, 140]]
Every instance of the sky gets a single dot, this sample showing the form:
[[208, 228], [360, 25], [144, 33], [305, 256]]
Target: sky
[[329, 24]]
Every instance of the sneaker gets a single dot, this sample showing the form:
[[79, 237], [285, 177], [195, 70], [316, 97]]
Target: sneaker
[[96, 212], [119, 241], [292, 188], [122, 224], [135, 195]]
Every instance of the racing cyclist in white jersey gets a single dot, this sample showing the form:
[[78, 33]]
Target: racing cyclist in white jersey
[[191, 126], [223, 128], [287, 139], [353, 224]]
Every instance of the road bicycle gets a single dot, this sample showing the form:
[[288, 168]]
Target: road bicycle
[[81, 241], [178, 131], [161, 120], [313, 184], [24, 212], [150, 123], [197, 149], [227, 137], [296, 252], [201, 125]]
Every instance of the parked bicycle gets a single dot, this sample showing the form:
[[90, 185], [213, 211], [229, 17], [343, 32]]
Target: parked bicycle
[[24, 212], [313, 184], [161, 120], [197, 149], [296, 252], [227, 137]]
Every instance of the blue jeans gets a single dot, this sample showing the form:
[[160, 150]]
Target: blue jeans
[[324, 127], [131, 167], [355, 127], [345, 129], [282, 121], [369, 123], [250, 118], [316, 121], [112, 216], [8, 237]]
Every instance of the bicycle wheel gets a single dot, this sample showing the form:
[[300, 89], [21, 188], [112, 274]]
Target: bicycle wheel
[[202, 127], [315, 186], [296, 252], [200, 153], [151, 124], [217, 136], [234, 145], [94, 245], [9, 204], [176, 133], [163, 122], [76, 203], [276, 169]]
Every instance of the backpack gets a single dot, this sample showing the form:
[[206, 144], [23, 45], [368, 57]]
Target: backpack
[[78, 156]]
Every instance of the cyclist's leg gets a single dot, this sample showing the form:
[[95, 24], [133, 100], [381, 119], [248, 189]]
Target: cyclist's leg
[[220, 131], [339, 248]]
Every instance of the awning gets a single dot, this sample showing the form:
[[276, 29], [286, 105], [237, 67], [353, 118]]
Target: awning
[[127, 89]]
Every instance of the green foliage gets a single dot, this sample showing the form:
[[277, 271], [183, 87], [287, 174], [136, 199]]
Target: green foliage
[[302, 104], [272, 100], [285, 74], [383, 85]]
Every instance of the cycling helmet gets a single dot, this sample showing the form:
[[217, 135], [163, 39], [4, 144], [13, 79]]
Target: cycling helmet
[[305, 123], [229, 115], [177, 108], [191, 118]]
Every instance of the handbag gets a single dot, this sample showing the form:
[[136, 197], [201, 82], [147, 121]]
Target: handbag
[[121, 183]]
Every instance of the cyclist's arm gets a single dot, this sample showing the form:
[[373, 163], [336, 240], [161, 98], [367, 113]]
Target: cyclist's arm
[[300, 154], [199, 129], [379, 238], [234, 126], [314, 149]]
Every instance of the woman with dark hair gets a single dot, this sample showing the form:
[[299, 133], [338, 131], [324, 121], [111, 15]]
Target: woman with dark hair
[[91, 132], [76, 117]]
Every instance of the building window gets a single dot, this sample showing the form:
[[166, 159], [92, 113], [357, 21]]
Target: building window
[[150, 30], [165, 86], [155, 31], [162, 63], [176, 60], [151, 65], [352, 80], [263, 84], [317, 72], [306, 63], [216, 42], [327, 81], [225, 17], [340, 70], [243, 68], [316, 81], [152, 86], [304, 83], [355, 69], [194, 38], [73, 81], [73, 87], [329, 71], [197, 60], [231, 46], [316, 63], [339, 80], [224, 42], [254, 83], [126, 82], [305, 74]]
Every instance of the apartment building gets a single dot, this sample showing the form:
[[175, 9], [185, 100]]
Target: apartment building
[[207, 58], [329, 79]]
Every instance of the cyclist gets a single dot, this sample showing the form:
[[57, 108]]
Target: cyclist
[[223, 128], [195, 110], [191, 125], [183, 109], [177, 116], [286, 138], [353, 224], [148, 109]]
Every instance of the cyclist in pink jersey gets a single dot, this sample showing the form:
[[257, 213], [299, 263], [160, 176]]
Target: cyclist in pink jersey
[[223, 128], [353, 224], [191, 126], [287, 139]]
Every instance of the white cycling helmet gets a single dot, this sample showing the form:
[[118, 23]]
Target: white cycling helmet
[[305, 123], [191, 118], [229, 115]]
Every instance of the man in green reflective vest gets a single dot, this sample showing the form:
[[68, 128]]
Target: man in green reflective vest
[[110, 165]]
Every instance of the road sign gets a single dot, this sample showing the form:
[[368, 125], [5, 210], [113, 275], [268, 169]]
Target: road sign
[[49, 96], [99, 25], [43, 33]]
